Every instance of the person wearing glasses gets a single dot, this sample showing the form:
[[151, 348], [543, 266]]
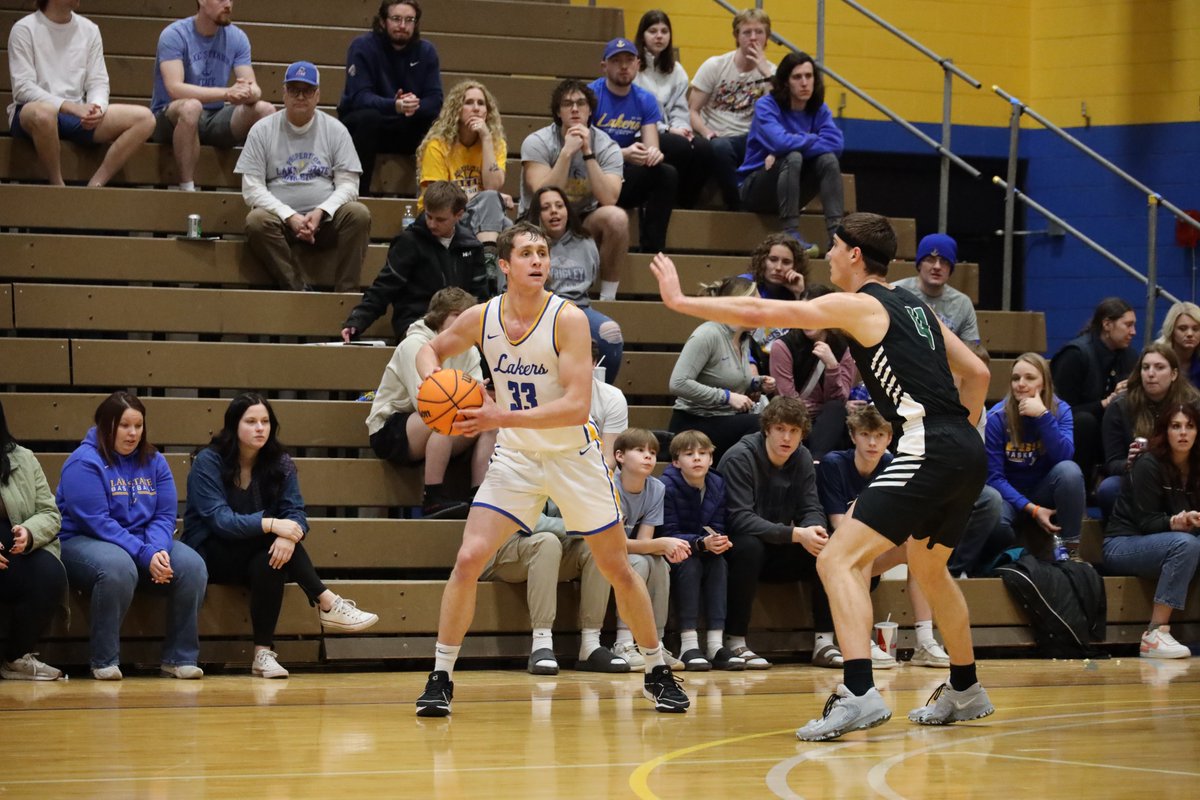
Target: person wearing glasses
[[300, 178], [393, 86]]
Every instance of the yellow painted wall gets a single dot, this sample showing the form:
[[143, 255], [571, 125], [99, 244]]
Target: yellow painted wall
[[1131, 61]]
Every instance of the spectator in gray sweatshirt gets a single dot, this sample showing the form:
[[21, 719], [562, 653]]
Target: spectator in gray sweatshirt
[[715, 382]]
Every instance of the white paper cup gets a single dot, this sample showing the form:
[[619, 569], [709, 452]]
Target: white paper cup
[[885, 636]]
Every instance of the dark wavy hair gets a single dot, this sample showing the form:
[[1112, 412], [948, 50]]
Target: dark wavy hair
[[108, 419], [758, 259], [272, 466], [379, 23], [779, 84], [568, 86], [574, 222], [1160, 448], [665, 63], [7, 443], [1108, 310]]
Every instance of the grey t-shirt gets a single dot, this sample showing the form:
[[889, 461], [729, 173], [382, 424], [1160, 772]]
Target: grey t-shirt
[[953, 308], [574, 263], [643, 508], [298, 163], [543, 147]]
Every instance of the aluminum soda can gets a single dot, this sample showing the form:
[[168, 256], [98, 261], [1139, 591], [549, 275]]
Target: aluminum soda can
[[193, 226]]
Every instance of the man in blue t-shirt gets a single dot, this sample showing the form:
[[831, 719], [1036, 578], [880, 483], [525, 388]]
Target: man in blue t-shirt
[[628, 114], [193, 102]]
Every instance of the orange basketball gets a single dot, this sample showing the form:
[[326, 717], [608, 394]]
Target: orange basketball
[[443, 394]]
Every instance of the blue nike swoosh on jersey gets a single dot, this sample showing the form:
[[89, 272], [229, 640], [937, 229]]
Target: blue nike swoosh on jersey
[[492, 335]]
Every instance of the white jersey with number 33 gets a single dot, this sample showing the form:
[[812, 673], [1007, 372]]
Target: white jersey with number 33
[[525, 375]]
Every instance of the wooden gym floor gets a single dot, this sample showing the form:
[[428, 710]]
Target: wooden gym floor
[[1069, 729]]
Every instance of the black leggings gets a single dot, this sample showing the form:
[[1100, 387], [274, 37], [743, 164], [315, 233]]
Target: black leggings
[[32, 587], [725, 430], [752, 560], [247, 562]]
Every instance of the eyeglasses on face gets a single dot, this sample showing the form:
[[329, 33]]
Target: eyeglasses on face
[[300, 90], [396, 19], [579, 103]]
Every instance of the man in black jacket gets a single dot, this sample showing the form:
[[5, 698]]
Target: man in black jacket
[[434, 252], [776, 524]]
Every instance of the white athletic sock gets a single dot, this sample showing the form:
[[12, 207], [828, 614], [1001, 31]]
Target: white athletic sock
[[589, 640], [821, 639], [734, 642], [653, 656], [190, 186], [924, 628], [714, 642], [444, 656], [625, 636], [608, 290], [688, 640], [543, 639]]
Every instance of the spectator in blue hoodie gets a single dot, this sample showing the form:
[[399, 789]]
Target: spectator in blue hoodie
[[118, 504], [694, 512], [393, 87], [793, 148], [1029, 445]]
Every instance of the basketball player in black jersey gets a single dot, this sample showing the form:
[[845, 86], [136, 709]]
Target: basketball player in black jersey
[[906, 357]]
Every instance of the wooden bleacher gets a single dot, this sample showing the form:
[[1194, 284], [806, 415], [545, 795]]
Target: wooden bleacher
[[96, 293]]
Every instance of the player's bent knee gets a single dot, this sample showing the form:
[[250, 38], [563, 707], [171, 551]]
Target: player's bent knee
[[610, 332]]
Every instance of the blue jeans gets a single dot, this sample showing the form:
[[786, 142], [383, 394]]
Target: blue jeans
[[700, 576], [607, 335], [1062, 489], [1171, 557], [111, 576], [728, 154], [983, 538]]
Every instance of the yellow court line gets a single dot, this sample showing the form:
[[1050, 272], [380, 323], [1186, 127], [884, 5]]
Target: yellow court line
[[639, 781]]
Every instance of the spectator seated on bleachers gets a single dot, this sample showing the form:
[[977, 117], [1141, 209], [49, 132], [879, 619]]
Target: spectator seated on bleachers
[[1091, 371], [779, 268], [192, 103], [1029, 448], [245, 517], [1181, 330], [60, 91], [574, 154], [393, 87], [694, 512], [776, 525], [841, 477], [630, 115], [1154, 525], [716, 386], [33, 583], [937, 254], [661, 74], [724, 90], [574, 265], [793, 149], [300, 178], [112, 546], [436, 251], [1156, 383], [397, 433], [466, 146], [817, 367]]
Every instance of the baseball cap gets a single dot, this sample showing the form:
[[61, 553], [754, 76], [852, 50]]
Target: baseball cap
[[619, 46], [938, 244], [302, 72]]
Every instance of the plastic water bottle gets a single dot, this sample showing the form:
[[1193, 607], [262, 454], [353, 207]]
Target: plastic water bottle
[[1060, 549], [409, 217]]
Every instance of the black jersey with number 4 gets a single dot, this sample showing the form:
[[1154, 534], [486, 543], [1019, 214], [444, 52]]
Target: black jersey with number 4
[[907, 373]]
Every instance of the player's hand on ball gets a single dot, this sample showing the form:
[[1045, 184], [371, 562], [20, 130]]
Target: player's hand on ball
[[474, 421]]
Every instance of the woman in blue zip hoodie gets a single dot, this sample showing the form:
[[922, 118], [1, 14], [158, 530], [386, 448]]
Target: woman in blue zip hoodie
[[118, 504], [792, 150], [1029, 446]]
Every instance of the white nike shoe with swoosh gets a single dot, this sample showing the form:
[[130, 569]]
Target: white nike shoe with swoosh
[[946, 706]]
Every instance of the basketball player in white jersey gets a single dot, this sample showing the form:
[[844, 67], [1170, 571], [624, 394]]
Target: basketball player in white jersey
[[906, 357], [538, 347]]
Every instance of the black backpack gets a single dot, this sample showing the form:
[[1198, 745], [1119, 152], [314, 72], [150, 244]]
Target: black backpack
[[1064, 600]]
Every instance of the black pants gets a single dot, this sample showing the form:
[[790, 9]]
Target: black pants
[[724, 430], [374, 133], [1089, 447], [32, 587], [752, 560], [247, 562], [692, 160], [829, 429], [652, 191]]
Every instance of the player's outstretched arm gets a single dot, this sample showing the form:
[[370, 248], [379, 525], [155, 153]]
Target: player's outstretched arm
[[973, 375], [462, 334], [859, 315]]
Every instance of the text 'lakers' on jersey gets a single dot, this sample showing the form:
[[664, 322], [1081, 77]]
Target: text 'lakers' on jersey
[[525, 375]]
